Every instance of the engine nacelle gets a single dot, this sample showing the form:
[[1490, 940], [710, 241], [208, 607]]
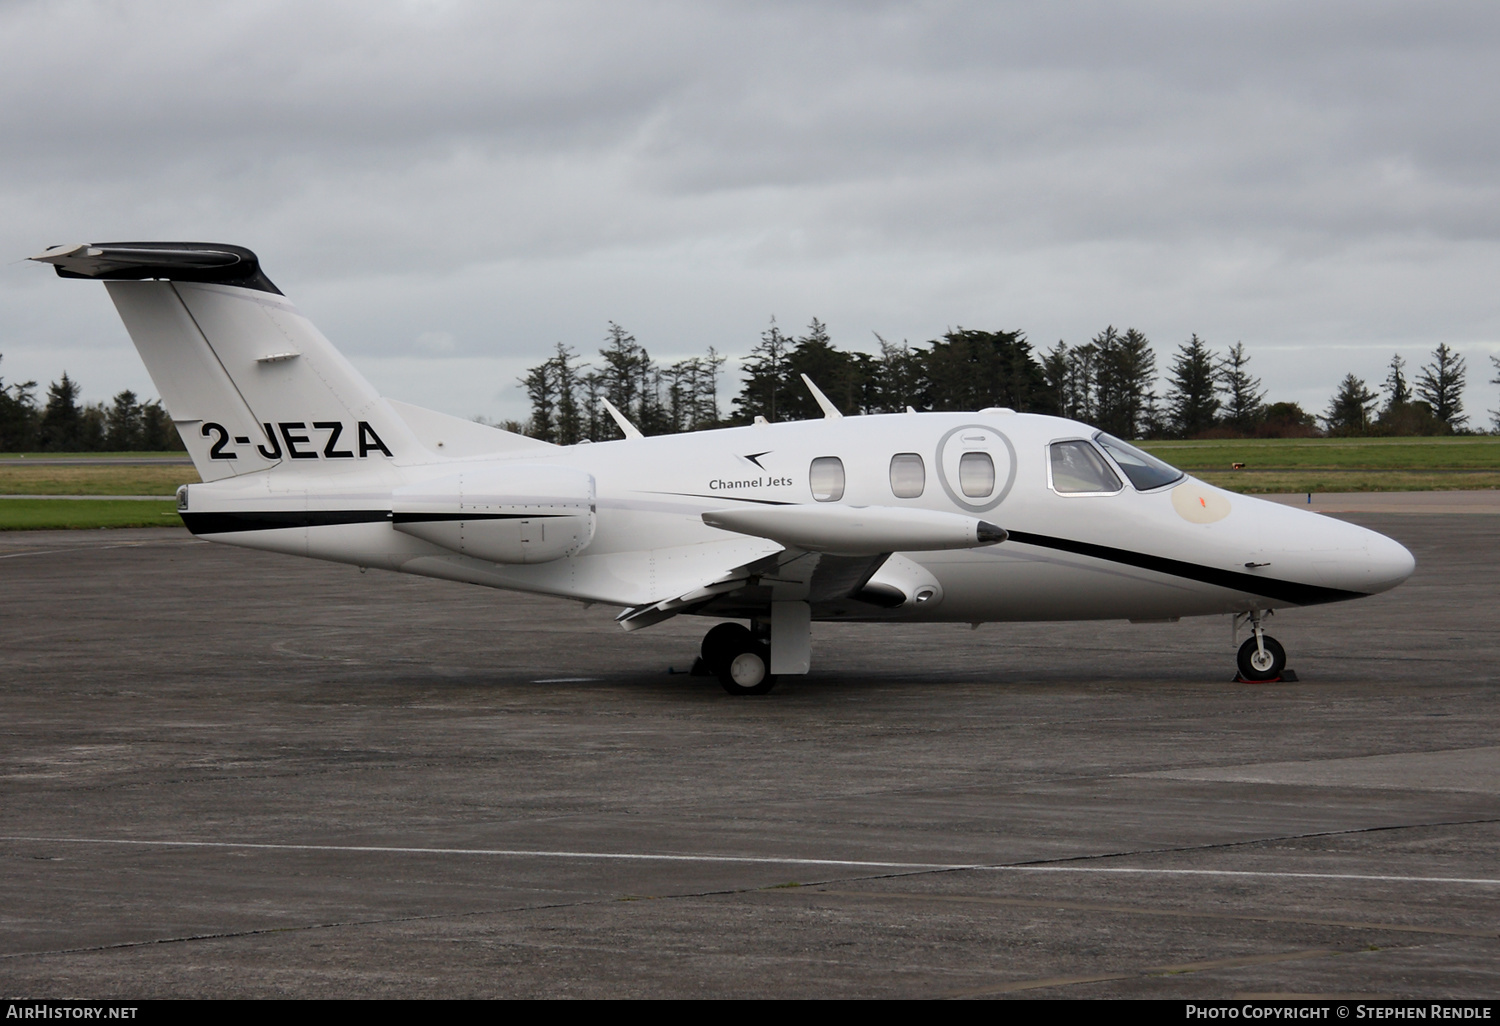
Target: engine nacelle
[[506, 514]]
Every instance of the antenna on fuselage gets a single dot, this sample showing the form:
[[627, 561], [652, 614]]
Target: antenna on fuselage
[[830, 411], [631, 431]]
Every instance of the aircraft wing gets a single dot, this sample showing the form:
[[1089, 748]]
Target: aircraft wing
[[791, 574], [828, 553]]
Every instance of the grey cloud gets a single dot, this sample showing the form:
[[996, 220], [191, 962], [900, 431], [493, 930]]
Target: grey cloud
[[1291, 173]]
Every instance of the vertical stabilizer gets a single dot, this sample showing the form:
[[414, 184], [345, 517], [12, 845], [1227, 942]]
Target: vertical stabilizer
[[250, 383]]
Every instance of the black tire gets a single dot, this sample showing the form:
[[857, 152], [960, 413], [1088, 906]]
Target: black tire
[[1247, 660], [748, 672], [721, 644]]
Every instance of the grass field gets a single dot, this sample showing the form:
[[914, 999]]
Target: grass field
[[69, 514], [1338, 464], [19, 479]]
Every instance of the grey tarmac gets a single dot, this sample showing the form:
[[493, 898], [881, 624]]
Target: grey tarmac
[[228, 773]]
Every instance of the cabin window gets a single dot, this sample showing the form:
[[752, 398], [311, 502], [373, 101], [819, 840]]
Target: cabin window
[[976, 474], [908, 475], [826, 476], [1078, 468], [1144, 470]]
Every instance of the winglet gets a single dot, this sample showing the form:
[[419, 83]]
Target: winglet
[[631, 431], [830, 411]]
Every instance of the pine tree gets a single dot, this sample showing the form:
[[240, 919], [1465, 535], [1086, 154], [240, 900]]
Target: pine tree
[[1081, 383], [1397, 389], [693, 392], [1110, 406], [765, 377], [1244, 399], [591, 389], [93, 428], [831, 370], [1349, 410], [61, 418], [1192, 400], [568, 418], [707, 414], [1441, 386], [158, 433], [1058, 375], [1494, 414], [17, 416], [1124, 371], [540, 383], [897, 379], [122, 428], [631, 381]]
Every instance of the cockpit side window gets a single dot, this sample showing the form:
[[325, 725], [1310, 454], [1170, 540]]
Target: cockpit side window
[[1144, 470], [1078, 468]]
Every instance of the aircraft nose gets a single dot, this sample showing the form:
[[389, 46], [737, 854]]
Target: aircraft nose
[[1390, 563], [1333, 553]]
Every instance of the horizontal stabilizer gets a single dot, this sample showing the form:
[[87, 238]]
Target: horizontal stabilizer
[[858, 530], [215, 262]]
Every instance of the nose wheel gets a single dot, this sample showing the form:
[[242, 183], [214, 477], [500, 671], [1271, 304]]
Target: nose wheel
[[1261, 659]]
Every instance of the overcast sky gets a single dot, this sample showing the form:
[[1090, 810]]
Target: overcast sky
[[448, 189]]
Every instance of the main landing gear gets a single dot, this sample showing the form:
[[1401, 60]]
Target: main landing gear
[[740, 660], [1261, 657]]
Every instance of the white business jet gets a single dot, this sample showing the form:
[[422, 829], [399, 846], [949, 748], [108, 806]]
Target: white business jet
[[933, 517]]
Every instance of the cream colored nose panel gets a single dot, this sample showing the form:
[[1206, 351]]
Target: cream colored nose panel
[[1198, 504]]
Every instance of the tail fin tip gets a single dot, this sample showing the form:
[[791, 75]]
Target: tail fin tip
[[216, 262]]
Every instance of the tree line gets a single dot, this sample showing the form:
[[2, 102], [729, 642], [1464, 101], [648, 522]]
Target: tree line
[[1429, 404], [63, 424], [1110, 381]]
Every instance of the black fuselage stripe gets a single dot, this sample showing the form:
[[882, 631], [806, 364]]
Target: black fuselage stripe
[[728, 498], [1269, 587], [443, 518], [278, 520]]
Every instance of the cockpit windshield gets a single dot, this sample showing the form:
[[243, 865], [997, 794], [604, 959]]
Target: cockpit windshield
[[1144, 470]]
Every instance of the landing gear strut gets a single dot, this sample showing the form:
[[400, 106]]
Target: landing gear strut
[[1261, 657], [740, 660]]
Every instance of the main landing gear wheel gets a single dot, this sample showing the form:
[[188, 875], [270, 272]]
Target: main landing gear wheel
[[748, 671], [721, 644], [1258, 665]]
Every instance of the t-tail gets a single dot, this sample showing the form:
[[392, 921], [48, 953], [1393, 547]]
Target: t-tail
[[249, 382]]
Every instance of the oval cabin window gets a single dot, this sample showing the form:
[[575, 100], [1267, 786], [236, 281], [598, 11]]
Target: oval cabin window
[[976, 474], [826, 477], [908, 475]]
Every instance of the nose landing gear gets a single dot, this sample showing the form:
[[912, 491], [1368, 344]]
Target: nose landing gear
[[1261, 658]]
